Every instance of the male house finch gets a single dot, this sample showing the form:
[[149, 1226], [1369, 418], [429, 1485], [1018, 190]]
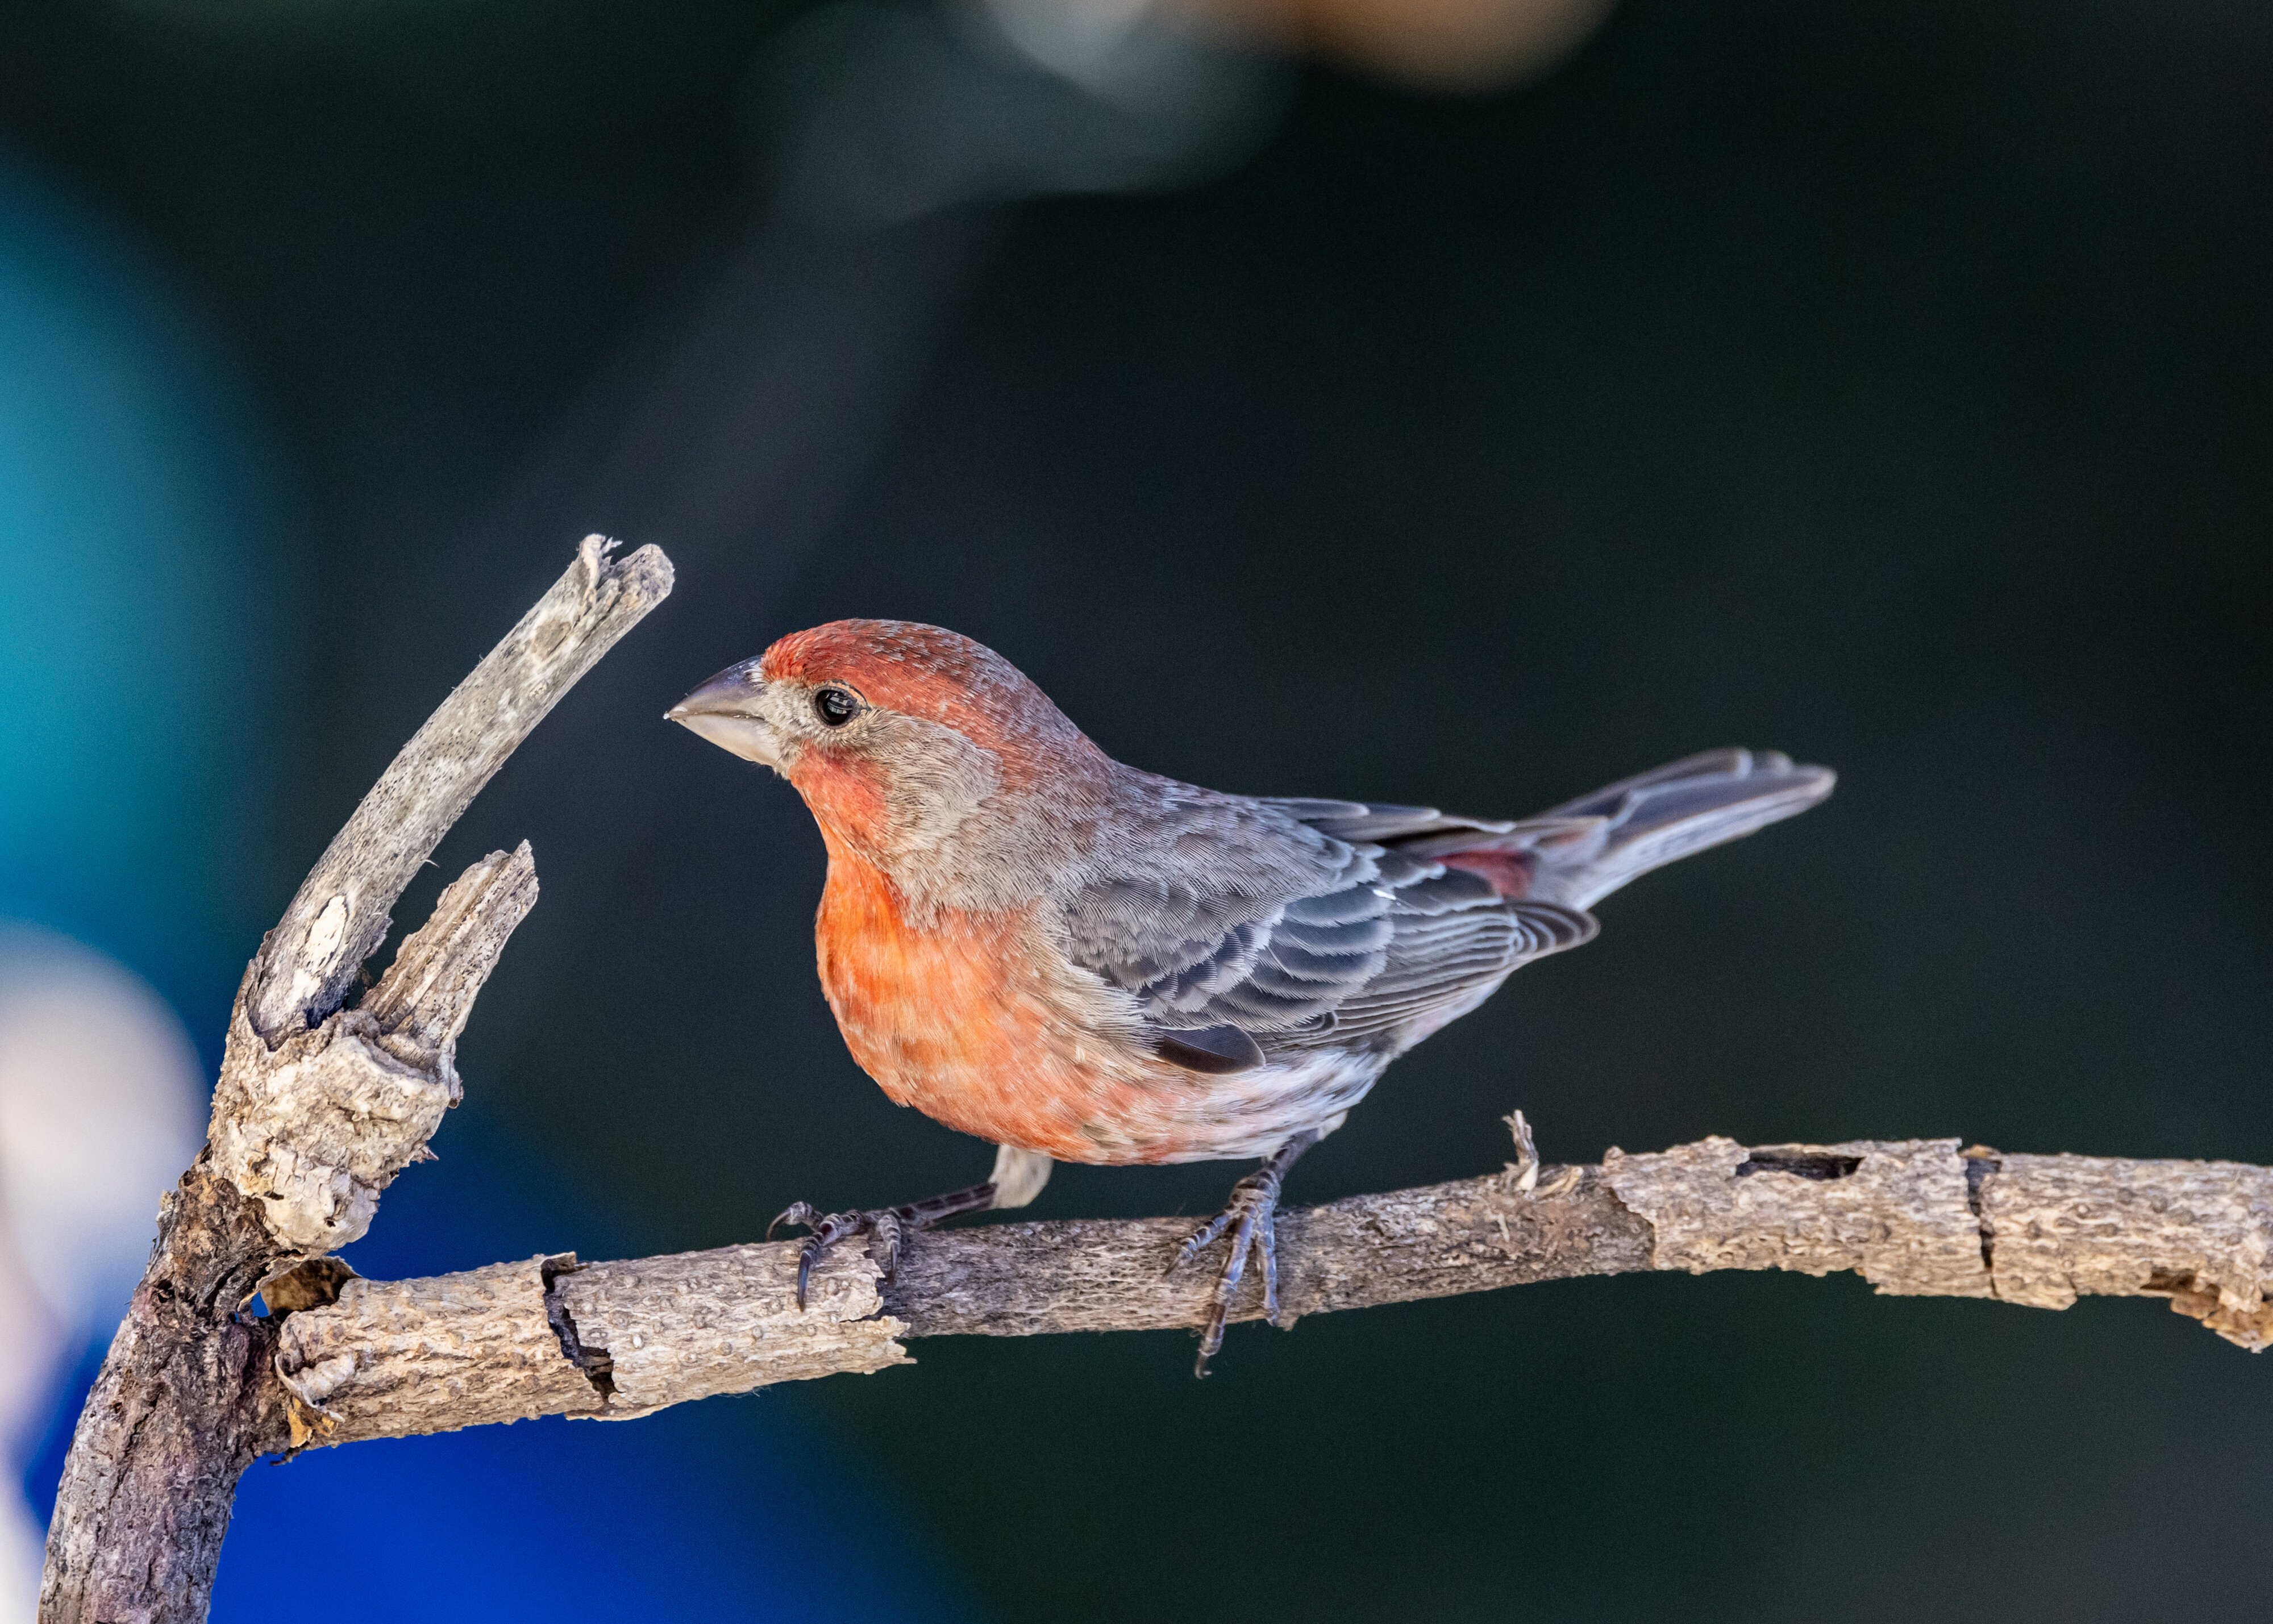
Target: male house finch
[[1080, 962]]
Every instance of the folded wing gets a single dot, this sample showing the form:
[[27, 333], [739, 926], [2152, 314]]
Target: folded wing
[[1358, 946]]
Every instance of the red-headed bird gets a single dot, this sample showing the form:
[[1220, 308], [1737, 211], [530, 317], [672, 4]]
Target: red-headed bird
[[1081, 962]]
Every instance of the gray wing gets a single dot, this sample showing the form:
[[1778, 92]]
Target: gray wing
[[1353, 945]]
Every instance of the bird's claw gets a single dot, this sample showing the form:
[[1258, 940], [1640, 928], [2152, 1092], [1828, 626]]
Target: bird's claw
[[1251, 1216], [881, 1225], [886, 1227]]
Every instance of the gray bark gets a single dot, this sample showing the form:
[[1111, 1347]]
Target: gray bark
[[1915, 1217], [317, 1109]]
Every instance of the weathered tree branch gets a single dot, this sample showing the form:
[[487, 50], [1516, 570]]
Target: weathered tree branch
[[339, 916], [1915, 1217], [317, 1109]]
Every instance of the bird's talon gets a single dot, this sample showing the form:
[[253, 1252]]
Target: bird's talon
[[797, 1215], [884, 1237], [1252, 1218], [1201, 1238], [888, 1228], [827, 1229], [1211, 1342]]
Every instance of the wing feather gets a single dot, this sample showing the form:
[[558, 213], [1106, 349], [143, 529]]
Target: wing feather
[[1363, 822], [1355, 942]]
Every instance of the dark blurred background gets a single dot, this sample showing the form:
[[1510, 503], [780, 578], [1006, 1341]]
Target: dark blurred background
[[1467, 405]]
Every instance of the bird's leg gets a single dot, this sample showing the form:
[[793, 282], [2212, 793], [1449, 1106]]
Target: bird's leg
[[1251, 1216], [1018, 1176]]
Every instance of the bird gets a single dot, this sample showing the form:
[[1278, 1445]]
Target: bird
[[1078, 961]]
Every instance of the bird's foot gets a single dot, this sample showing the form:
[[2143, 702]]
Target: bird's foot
[[887, 1228], [881, 1224], [1251, 1217]]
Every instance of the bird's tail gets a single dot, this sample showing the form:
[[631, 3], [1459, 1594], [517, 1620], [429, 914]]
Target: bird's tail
[[1584, 849]]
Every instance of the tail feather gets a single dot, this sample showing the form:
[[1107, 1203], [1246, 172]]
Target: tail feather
[[1584, 849]]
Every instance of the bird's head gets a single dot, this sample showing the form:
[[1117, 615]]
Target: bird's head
[[894, 733]]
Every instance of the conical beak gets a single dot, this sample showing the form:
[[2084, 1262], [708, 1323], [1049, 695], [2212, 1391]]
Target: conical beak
[[726, 710]]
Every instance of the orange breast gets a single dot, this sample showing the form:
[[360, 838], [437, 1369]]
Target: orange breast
[[970, 1019]]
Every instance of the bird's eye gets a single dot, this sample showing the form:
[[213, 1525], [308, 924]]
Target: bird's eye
[[835, 707]]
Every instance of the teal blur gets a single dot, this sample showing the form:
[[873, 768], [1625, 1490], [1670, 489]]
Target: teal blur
[[138, 648]]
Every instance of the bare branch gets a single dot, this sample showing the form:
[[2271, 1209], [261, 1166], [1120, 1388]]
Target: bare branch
[[317, 1109], [340, 916], [315, 1127], [1915, 1217]]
